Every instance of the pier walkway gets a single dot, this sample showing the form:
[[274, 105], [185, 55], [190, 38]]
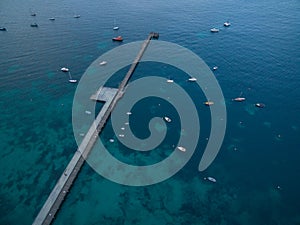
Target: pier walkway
[[110, 96]]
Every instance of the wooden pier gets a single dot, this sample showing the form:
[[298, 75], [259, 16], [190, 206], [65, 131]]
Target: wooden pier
[[110, 96]]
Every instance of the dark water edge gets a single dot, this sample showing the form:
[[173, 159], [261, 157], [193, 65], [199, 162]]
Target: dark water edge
[[258, 56]]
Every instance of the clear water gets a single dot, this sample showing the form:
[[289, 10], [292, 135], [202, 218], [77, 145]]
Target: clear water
[[258, 56]]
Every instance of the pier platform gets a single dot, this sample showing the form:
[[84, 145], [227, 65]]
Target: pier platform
[[104, 94]]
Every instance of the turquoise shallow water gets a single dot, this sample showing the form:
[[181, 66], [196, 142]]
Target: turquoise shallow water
[[258, 56]]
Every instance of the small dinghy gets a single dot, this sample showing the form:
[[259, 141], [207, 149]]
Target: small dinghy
[[102, 63], [192, 79], [211, 179], [239, 99], [64, 69], [71, 80], [208, 103], [183, 149], [214, 30], [260, 105], [167, 119], [119, 38], [227, 24]]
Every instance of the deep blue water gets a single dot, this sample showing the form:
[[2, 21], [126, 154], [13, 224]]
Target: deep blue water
[[258, 56]]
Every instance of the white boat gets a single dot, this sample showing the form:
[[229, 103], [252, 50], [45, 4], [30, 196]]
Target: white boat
[[111, 140], [210, 179], [170, 81], [76, 16], [167, 119], [208, 103], [183, 149], [115, 27], [227, 24], [102, 63], [88, 112], [71, 80], [260, 105], [192, 79], [215, 68], [214, 30], [239, 99], [64, 69], [52, 18], [128, 113]]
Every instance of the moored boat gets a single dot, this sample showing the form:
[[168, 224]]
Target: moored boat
[[214, 30], [211, 179], [239, 99], [119, 38], [115, 27], [192, 79], [3, 29], [260, 105], [208, 103], [102, 63], [64, 69], [34, 25], [167, 119], [227, 24], [72, 81], [183, 149]]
